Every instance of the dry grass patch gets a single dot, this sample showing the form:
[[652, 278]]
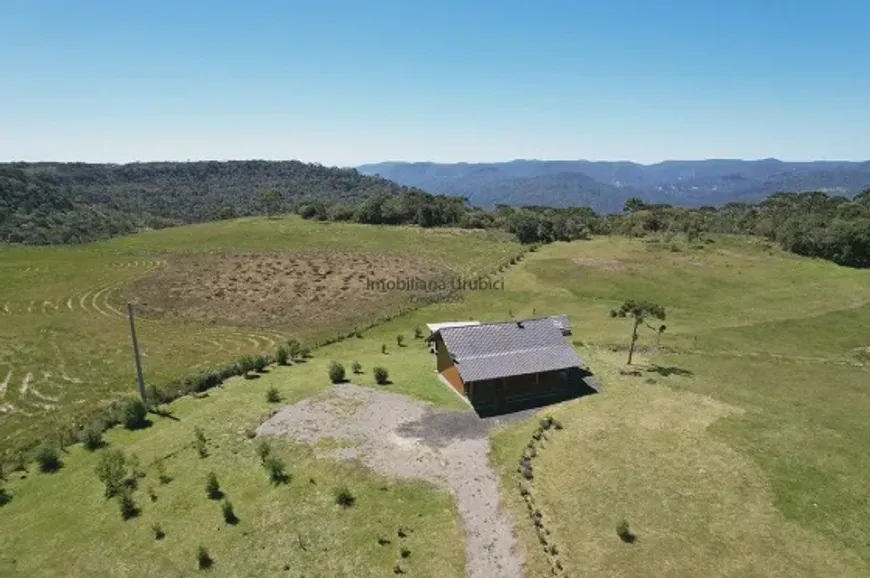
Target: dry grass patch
[[276, 289]]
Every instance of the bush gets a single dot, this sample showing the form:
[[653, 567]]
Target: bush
[[304, 352], [212, 487], [229, 514], [624, 532], [199, 442], [381, 375], [418, 333], [152, 495], [264, 450], [127, 504], [5, 497], [203, 559], [112, 471], [93, 437], [344, 497], [48, 459], [272, 395], [336, 372], [294, 349], [275, 467], [134, 467], [246, 365], [356, 367], [159, 534], [400, 340], [161, 473], [134, 414], [282, 355], [260, 363]]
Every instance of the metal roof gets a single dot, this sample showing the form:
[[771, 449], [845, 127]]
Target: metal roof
[[494, 350], [433, 327]]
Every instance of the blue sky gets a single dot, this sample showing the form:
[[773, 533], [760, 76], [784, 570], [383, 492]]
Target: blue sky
[[354, 81]]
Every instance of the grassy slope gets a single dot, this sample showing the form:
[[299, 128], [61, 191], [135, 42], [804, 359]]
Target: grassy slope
[[744, 465], [738, 463], [63, 333]]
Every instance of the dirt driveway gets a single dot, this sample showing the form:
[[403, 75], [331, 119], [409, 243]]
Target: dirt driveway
[[401, 437]]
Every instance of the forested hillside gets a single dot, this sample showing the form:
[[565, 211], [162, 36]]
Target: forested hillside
[[813, 224], [74, 202]]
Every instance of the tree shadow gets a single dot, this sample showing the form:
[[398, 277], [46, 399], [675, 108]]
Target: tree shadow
[[385, 382], [666, 371], [252, 376]]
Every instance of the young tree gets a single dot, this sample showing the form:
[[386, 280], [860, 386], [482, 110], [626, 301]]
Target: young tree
[[271, 201], [639, 312]]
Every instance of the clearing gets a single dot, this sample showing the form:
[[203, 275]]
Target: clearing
[[736, 448], [63, 309], [397, 436]]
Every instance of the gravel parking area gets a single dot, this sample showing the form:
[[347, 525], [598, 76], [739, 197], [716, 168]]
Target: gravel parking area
[[401, 437]]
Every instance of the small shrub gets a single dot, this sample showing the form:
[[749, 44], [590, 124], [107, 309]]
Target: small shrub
[[152, 495], [250, 433], [527, 472], [162, 476], [203, 559], [260, 363], [5, 497], [48, 459], [272, 395], [405, 552], [381, 375], [304, 352], [199, 442], [400, 340], [159, 534], [246, 365], [336, 372], [134, 414], [127, 504], [418, 333], [264, 450], [93, 437], [229, 514], [344, 497], [282, 355], [294, 348], [275, 467], [212, 487], [135, 468], [384, 348], [112, 471], [356, 367], [623, 530]]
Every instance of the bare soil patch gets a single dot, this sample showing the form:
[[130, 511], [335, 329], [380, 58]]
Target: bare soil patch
[[404, 438], [293, 291]]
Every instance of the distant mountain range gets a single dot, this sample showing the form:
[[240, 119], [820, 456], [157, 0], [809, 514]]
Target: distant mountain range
[[606, 185]]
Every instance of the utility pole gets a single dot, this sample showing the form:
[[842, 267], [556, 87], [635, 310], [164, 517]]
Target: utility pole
[[136, 352]]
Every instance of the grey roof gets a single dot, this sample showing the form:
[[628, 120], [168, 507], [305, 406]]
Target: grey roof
[[495, 350]]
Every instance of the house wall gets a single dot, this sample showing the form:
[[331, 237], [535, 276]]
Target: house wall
[[446, 368], [498, 395]]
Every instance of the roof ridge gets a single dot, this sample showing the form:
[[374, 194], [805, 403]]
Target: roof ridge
[[510, 322], [512, 352]]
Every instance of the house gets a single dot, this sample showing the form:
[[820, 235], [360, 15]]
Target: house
[[434, 327], [502, 366]]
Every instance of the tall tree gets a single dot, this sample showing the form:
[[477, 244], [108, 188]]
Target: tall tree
[[640, 312], [271, 201]]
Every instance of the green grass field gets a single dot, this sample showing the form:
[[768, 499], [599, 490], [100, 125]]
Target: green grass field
[[64, 338], [738, 451]]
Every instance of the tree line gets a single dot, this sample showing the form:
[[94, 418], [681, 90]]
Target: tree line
[[56, 203]]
